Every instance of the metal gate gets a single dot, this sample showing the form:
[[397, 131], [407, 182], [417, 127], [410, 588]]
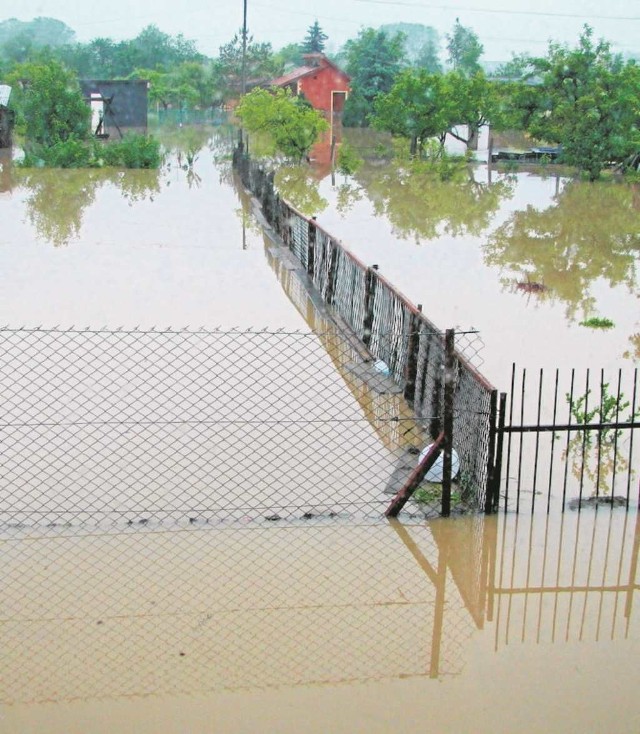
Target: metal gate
[[566, 441]]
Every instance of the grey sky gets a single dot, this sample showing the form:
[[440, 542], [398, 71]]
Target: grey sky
[[503, 25]]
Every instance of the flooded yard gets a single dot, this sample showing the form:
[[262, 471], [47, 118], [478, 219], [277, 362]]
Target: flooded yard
[[525, 258], [154, 593], [472, 624]]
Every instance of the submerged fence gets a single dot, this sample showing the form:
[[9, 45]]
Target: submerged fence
[[405, 342]]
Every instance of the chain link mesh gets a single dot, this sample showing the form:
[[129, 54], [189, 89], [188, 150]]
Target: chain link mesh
[[120, 428]]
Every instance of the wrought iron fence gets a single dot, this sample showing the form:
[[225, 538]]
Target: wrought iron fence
[[126, 427], [567, 439]]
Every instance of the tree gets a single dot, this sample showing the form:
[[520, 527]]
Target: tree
[[50, 106], [588, 102], [429, 57], [261, 65], [289, 56], [464, 49], [473, 101], [314, 40], [292, 124], [415, 108], [421, 106], [373, 60]]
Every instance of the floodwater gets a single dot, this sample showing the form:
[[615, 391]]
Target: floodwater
[[522, 257], [461, 625], [472, 624]]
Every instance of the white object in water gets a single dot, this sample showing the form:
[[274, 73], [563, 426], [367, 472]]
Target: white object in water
[[382, 367], [5, 93], [435, 473]]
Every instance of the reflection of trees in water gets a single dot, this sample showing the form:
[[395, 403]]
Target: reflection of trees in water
[[57, 199], [421, 206], [591, 232], [298, 185]]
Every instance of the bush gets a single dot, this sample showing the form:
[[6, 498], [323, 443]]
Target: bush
[[133, 151]]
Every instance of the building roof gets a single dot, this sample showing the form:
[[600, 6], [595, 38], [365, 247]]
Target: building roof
[[316, 62], [293, 76]]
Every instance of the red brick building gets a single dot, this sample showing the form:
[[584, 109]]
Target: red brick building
[[322, 83]]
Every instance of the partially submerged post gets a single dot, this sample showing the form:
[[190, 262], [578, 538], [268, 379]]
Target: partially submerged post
[[6, 117]]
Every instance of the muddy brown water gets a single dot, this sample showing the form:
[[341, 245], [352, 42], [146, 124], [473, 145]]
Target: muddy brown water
[[470, 624], [465, 625]]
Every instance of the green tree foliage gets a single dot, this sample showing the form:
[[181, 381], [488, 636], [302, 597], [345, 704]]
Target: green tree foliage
[[588, 102], [291, 123], [421, 44], [51, 108], [314, 41], [421, 106], [415, 108], [464, 49], [261, 65], [289, 56], [474, 102], [373, 60]]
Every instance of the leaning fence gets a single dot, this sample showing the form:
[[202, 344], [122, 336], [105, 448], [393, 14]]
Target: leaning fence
[[396, 333]]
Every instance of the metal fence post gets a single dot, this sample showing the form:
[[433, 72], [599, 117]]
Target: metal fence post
[[488, 495], [369, 299], [311, 247], [411, 370], [449, 390]]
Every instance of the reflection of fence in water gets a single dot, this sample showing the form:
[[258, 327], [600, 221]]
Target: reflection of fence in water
[[148, 612], [567, 581]]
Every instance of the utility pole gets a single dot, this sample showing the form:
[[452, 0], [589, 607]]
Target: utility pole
[[243, 83]]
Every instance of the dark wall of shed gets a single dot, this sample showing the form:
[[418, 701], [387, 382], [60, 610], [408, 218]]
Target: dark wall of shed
[[6, 126], [128, 108]]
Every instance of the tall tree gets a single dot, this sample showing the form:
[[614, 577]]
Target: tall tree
[[464, 49], [314, 40], [261, 65], [588, 102], [374, 59]]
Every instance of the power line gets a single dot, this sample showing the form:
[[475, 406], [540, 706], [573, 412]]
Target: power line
[[498, 12]]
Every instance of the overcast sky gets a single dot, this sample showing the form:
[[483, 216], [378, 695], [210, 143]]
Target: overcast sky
[[502, 25]]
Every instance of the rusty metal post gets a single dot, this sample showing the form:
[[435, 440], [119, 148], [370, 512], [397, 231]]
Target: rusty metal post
[[370, 282], [447, 423], [311, 247], [488, 494], [415, 478], [411, 369]]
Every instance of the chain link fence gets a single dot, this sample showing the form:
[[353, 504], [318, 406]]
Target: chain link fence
[[405, 343], [127, 427]]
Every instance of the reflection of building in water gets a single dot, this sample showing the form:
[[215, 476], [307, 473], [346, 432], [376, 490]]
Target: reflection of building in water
[[243, 607], [5, 171]]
